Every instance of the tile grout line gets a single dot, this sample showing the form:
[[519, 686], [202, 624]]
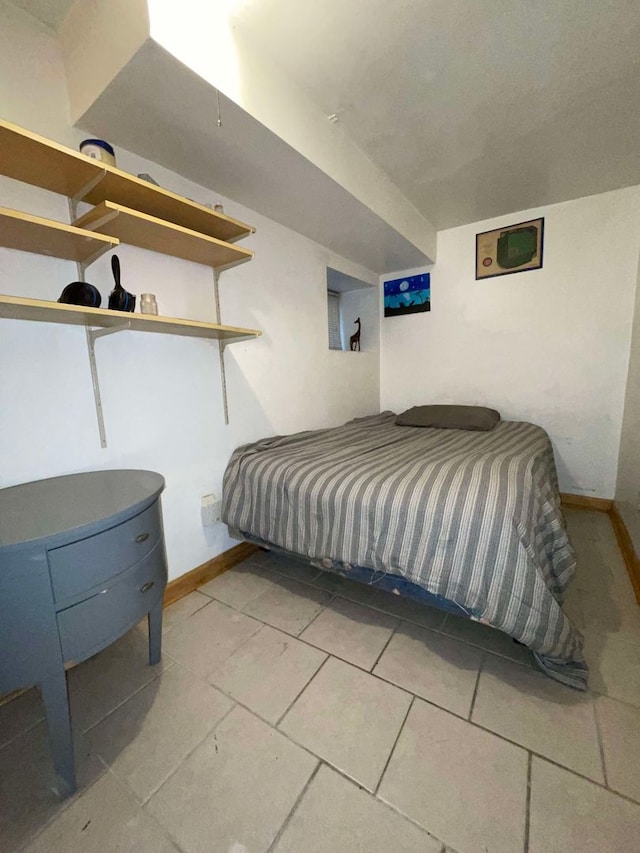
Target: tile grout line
[[234, 704], [207, 678], [413, 696], [386, 645], [26, 731], [422, 626], [477, 684], [334, 596], [299, 694], [144, 804], [446, 711], [600, 743], [547, 759], [387, 805], [353, 781], [298, 579], [141, 805], [401, 621], [156, 675], [404, 816], [145, 631], [285, 823], [322, 610], [527, 813], [242, 610], [616, 700], [393, 747]]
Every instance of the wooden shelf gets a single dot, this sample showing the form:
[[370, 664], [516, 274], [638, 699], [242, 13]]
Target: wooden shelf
[[46, 237], [158, 235], [36, 160], [18, 308], [33, 159], [132, 191], [126, 208]]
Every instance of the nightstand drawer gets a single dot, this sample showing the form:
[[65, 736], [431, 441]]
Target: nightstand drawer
[[91, 625], [81, 565]]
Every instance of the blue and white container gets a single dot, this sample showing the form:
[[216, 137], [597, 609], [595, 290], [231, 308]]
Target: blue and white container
[[98, 149]]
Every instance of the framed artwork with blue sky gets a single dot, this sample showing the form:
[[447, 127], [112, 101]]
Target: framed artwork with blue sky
[[407, 295]]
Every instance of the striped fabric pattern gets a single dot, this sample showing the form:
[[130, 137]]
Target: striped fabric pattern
[[471, 516]]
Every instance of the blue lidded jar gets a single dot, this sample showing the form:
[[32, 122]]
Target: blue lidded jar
[[98, 149]]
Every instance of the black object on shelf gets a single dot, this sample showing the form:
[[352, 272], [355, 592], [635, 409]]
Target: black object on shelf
[[119, 298], [81, 293]]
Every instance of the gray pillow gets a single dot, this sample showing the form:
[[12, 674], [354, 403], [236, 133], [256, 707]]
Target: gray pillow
[[450, 417]]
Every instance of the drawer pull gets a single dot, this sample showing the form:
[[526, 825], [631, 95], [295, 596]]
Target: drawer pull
[[146, 586], [142, 537]]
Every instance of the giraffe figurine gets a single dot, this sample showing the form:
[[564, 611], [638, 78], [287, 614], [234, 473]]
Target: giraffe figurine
[[354, 340]]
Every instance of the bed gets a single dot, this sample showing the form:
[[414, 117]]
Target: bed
[[468, 521]]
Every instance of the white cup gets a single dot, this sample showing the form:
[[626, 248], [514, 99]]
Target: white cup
[[148, 304]]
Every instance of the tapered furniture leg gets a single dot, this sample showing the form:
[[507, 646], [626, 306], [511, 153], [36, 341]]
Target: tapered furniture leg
[[56, 704], [154, 620]]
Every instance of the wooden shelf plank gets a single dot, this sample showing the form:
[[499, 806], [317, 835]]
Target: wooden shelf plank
[[33, 159], [46, 237], [158, 235], [20, 308], [132, 191]]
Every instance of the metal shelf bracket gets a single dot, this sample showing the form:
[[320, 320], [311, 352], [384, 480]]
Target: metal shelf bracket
[[84, 265], [92, 334], [83, 192], [221, 347], [92, 337]]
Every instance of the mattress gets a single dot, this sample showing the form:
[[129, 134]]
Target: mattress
[[470, 517]]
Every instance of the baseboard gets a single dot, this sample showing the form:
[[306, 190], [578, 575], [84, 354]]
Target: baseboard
[[625, 543], [586, 502], [185, 584]]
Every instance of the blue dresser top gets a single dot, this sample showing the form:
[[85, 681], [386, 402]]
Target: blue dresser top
[[77, 503]]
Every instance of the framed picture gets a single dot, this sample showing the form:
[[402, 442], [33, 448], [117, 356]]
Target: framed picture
[[516, 248], [407, 295]]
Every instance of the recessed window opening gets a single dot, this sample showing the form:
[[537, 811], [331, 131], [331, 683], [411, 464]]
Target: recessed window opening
[[351, 312], [335, 335]]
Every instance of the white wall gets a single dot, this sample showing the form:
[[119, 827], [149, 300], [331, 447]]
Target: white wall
[[549, 346], [161, 394], [628, 485]]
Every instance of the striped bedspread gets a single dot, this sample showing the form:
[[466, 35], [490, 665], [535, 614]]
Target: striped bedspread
[[471, 516]]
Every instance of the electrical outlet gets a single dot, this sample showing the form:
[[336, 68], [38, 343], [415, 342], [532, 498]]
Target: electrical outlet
[[210, 506]]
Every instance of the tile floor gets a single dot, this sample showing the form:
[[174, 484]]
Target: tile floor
[[294, 712]]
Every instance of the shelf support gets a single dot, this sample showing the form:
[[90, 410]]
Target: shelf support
[[75, 200], [100, 332], [92, 337], [97, 223], [96, 387], [221, 347], [84, 265]]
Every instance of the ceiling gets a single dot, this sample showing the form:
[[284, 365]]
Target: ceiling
[[473, 108]]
